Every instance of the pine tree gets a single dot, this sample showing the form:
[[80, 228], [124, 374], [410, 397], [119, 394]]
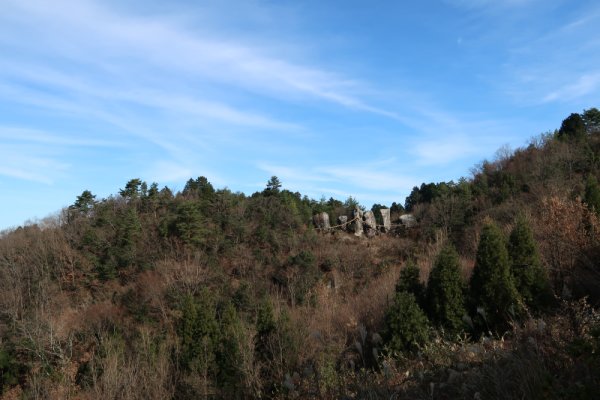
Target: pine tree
[[85, 202], [410, 282], [406, 326], [591, 119], [493, 291], [445, 300], [189, 225], [132, 189], [527, 271], [273, 186]]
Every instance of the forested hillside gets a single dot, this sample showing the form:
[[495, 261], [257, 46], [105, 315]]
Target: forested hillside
[[206, 293]]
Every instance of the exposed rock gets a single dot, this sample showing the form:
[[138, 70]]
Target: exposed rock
[[387, 221], [321, 220], [357, 225], [343, 220], [370, 224], [408, 220]]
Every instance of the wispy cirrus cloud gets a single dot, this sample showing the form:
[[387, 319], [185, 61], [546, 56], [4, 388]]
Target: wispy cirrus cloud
[[116, 44], [586, 84], [370, 181]]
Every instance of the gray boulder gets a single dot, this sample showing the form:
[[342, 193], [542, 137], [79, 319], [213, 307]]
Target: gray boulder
[[408, 220], [357, 225], [370, 224], [343, 220], [321, 220], [387, 221]]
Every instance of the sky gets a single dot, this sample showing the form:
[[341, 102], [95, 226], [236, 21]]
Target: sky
[[336, 98]]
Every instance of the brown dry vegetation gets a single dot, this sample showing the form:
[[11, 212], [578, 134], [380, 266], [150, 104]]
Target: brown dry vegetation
[[213, 294]]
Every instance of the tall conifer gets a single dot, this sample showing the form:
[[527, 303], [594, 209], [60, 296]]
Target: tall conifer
[[492, 288], [529, 276], [445, 300]]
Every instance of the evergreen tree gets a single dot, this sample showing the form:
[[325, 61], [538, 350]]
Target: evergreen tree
[[572, 128], [229, 354], [198, 330], [410, 282], [591, 119], [273, 186], [200, 187], [529, 276], [492, 288], [124, 251], [396, 208], [84, 202], [406, 326], [592, 194], [189, 225], [445, 298], [265, 326], [187, 330], [133, 189]]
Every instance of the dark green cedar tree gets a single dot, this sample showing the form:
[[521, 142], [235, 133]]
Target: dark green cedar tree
[[445, 299], [492, 289]]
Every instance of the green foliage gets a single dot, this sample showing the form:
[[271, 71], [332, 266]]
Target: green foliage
[[492, 288], [200, 187], [298, 276], [529, 276], [427, 193], [133, 189], [84, 202], [592, 193], [445, 300], [273, 186], [406, 326], [265, 320], [572, 128], [10, 369], [199, 333], [229, 353], [591, 119], [410, 281], [396, 208], [351, 203], [129, 230], [189, 224]]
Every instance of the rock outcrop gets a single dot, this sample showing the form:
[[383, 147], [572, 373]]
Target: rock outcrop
[[357, 225], [321, 220], [408, 220], [387, 220], [370, 223]]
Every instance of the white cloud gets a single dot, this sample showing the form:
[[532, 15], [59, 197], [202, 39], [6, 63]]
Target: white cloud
[[119, 44], [169, 171], [32, 163], [586, 84], [11, 133]]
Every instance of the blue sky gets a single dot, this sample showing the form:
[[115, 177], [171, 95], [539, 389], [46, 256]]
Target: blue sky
[[336, 98]]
